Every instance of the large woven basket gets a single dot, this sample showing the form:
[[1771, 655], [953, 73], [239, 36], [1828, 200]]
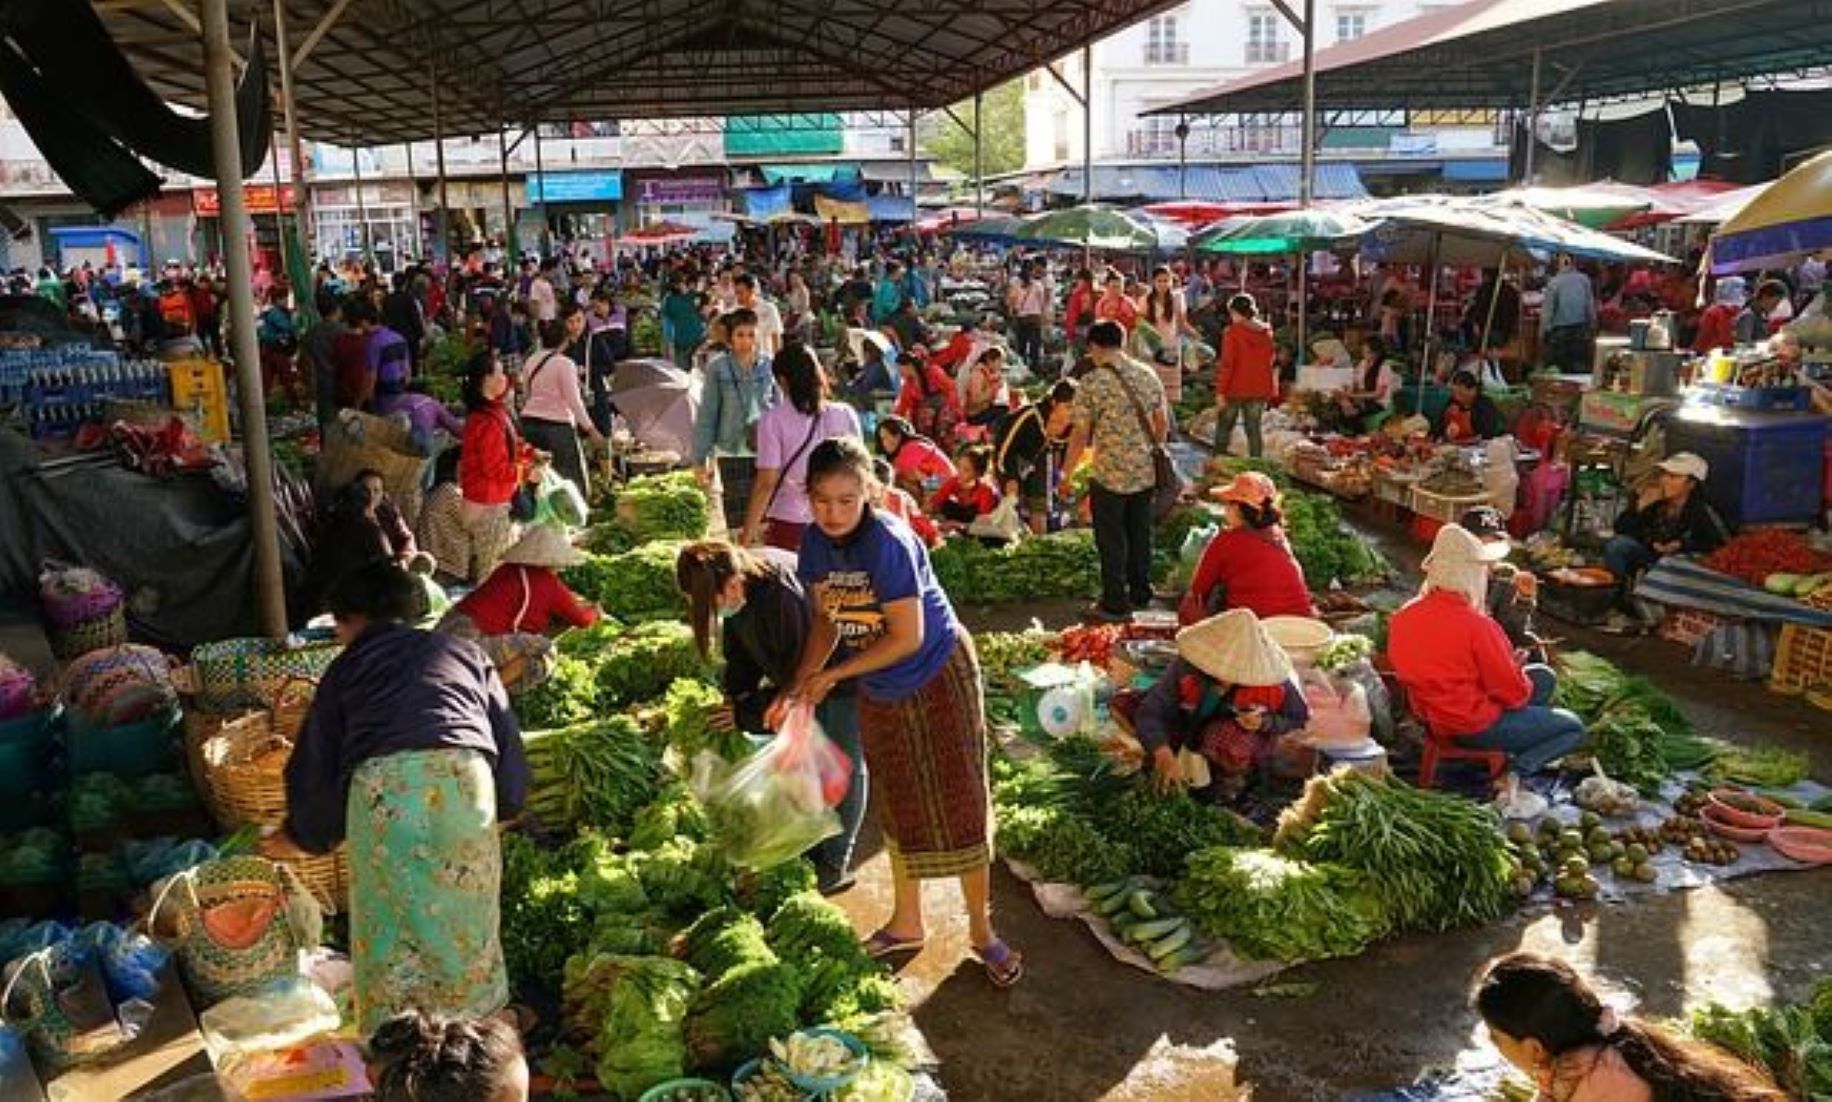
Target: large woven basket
[[236, 674], [242, 766], [107, 630]]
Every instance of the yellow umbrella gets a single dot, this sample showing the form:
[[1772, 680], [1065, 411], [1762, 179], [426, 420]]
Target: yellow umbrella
[[1781, 226]]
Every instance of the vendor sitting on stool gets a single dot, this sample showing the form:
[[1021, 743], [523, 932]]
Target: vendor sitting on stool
[[1670, 517], [1465, 682], [1513, 593], [1225, 699], [1470, 416], [510, 614]]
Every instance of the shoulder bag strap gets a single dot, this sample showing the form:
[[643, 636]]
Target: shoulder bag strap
[[783, 475], [536, 373], [1138, 407]]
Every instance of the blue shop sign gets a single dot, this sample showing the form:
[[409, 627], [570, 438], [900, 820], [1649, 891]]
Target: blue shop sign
[[575, 187]]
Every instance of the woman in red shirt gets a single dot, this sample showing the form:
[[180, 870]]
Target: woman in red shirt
[[1466, 682], [915, 458], [1717, 326], [928, 399], [1078, 314], [510, 614], [1245, 380], [1114, 305], [1249, 563], [493, 464]]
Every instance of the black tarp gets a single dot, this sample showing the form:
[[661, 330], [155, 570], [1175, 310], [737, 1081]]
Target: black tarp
[[1636, 150], [1751, 141], [180, 547], [78, 93]]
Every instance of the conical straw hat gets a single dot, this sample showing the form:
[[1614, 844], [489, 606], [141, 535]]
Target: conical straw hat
[[1234, 648]]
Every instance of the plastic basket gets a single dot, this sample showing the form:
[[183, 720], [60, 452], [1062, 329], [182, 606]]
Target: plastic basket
[[1443, 509], [68, 606], [1686, 626], [825, 1086], [665, 1092], [236, 674]]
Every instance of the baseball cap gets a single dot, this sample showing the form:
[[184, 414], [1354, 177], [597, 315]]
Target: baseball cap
[[1248, 488], [1686, 463], [1485, 523]]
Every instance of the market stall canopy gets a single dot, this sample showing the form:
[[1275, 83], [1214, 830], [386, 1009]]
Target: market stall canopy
[[660, 233], [1091, 227], [1298, 231], [1199, 213], [1724, 207], [1470, 232], [990, 230], [1481, 54], [1790, 220], [366, 71], [1593, 206], [1672, 201]]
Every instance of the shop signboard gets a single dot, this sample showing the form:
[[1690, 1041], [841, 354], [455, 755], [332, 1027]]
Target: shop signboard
[[575, 187], [680, 190], [259, 197]]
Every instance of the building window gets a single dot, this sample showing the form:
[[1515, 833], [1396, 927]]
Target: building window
[[1155, 137], [1351, 23], [1265, 44], [1162, 46], [1060, 125]]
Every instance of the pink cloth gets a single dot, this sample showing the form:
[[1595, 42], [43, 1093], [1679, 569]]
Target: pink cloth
[[553, 391]]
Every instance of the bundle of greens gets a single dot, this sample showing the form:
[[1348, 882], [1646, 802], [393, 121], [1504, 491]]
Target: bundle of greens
[[1792, 1043], [1162, 829], [722, 939], [1061, 845], [1344, 651], [1768, 766], [1438, 861], [662, 507], [838, 980], [568, 696], [735, 1017], [643, 1040], [1062, 564], [674, 813], [682, 877], [591, 774], [687, 711], [1272, 907], [635, 585], [1634, 727], [1325, 547], [762, 891], [543, 919], [645, 660]]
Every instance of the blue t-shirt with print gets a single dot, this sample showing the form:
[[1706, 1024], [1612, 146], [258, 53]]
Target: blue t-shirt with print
[[883, 561]]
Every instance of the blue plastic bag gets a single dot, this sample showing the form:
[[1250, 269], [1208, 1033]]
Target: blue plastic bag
[[130, 962]]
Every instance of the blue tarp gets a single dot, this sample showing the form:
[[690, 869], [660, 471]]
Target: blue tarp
[[1245, 184], [891, 208], [762, 202], [93, 237], [1487, 170]]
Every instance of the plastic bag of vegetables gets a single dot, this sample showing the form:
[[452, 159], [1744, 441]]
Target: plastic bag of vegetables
[[773, 805]]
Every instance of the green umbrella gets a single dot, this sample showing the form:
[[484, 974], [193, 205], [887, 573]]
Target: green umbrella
[[1090, 227], [1281, 234]]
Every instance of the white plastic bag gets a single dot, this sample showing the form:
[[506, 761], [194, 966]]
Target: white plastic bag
[[772, 806], [1339, 713], [1000, 524]]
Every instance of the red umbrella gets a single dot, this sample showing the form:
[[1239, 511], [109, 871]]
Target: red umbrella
[[952, 216], [661, 233], [1202, 212]]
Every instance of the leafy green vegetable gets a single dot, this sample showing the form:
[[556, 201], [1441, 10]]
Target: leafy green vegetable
[[762, 891], [661, 507], [734, 1018], [1770, 766], [568, 696], [643, 1041], [543, 919], [636, 585], [1062, 845], [1438, 861], [722, 939], [675, 812], [1344, 651], [1632, 723], [687, 712], [1792, 1043], [1163, 829], [643, 661], [591, 774], [1269, 906], [682, 876], [1062, 564]]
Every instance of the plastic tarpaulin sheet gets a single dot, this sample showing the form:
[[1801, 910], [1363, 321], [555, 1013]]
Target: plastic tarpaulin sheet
[[179, 547], [762, 202], [837, 210]]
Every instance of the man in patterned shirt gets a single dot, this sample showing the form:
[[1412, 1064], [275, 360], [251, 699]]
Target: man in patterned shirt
[[1119, 412]]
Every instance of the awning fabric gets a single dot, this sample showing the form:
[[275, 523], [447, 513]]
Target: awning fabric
[[1485, 171], [761, 203], [820, 173], [895, 172], [846, 214], [891, 208], [1243, 184]]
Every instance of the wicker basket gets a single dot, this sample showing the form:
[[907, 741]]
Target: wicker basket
[[242, 764], [237, 674], [96, 633], [1803, 657]]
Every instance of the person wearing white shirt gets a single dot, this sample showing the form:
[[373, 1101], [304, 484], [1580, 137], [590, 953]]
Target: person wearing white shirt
[[769, 318], [543, 300]]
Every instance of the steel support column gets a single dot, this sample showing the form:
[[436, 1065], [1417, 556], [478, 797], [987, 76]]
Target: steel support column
[[263, 528], [979, 163]]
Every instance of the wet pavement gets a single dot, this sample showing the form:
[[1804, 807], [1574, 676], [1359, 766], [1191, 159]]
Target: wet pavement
[[1082, 1026]]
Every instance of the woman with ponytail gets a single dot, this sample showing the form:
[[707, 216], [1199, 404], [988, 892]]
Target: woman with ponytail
[[1550, 1024]]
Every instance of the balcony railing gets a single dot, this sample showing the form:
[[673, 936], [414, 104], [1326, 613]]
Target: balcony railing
[[1167, 53], [1216, 141], [1268, 53]]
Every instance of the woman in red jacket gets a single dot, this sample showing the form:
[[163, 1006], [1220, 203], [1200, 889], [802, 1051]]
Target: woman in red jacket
[[1245, 380], [1466, 682], [511, 613], [493, 464], [1249, 563]]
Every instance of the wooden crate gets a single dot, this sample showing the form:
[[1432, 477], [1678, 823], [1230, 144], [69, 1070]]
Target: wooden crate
[[1803, 655], [1686, 626]]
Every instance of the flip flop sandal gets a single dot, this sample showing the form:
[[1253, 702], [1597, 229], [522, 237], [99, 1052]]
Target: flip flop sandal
[[886, 944], [1004, 965]]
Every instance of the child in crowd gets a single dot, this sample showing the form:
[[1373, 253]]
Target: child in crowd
[[420, 1057], [898, 503], [969, 494]]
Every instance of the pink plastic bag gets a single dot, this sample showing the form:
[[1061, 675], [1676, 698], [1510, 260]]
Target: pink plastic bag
[[808, 750], [777, 803]]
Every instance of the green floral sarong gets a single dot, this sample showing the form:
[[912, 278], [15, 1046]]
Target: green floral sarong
[[425, 886]]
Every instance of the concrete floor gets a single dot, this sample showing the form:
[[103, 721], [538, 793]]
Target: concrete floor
[[1082, 1026]]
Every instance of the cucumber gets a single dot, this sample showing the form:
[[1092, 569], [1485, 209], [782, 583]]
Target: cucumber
[[1143, 904], [1156, 929], [1189, 954], [1114, 905], [1785, 799], [1170, 943], [1100, 893], [1800, 817]]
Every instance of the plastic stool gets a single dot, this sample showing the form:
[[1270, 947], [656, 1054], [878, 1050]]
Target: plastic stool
[[1436, 750]]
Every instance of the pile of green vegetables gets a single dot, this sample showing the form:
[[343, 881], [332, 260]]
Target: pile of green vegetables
[[642, 662], [1062, 564], [1792, 1043], [1437, 861], [1272, 907], [687, 722], [1003, 656], [1637, 733], [635, 585], [591, 774], [660, 507]]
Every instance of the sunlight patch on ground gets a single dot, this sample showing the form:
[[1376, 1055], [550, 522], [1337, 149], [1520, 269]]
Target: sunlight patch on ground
[[1169, 1072]]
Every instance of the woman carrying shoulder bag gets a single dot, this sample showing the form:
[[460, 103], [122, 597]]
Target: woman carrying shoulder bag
[[554, 416]]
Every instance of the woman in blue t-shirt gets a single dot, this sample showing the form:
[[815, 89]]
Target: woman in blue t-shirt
[[922, 718]]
